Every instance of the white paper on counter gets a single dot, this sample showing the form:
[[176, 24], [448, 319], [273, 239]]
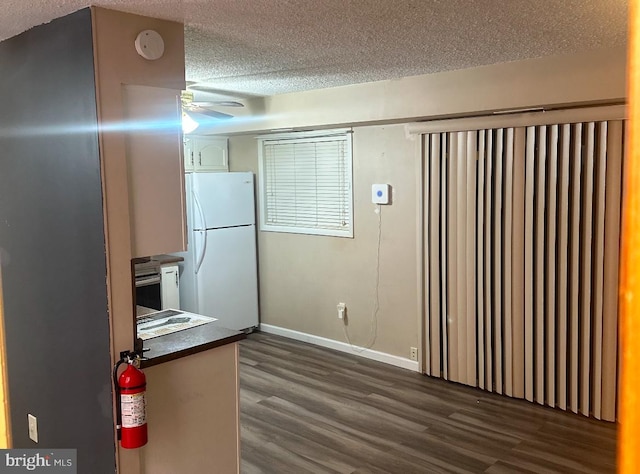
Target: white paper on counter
[[168, 321]]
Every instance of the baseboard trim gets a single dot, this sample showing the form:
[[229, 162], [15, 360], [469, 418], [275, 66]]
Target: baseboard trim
[[342, 347]]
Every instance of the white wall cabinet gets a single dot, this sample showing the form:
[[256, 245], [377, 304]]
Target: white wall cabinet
[[206, 154], [188, 154], [170, 287]]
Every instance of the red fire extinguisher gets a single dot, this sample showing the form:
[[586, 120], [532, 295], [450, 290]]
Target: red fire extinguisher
[[130, 404]]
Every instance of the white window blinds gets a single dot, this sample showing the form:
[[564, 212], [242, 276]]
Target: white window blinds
[[306, 184]]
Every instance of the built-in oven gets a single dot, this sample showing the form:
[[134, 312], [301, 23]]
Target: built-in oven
[[148, 279]]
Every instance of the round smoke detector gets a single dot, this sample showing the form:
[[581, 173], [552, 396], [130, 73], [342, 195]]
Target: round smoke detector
[[150, 45]]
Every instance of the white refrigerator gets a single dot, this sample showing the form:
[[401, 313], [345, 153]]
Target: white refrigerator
[[218, 277]]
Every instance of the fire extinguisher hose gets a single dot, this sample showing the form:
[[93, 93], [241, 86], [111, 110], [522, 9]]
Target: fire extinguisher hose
[[116, 387]]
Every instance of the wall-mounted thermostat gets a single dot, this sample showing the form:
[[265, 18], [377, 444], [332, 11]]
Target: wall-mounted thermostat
[[380, 193]]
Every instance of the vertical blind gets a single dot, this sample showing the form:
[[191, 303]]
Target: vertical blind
[[307, 185], [521, 247]]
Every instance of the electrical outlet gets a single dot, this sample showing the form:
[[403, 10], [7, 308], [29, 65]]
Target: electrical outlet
[[414, 353], [342, 309], [33, 427]]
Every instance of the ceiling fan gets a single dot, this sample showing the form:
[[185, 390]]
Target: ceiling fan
[[208, 107]]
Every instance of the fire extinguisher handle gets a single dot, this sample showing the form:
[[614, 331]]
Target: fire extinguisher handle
[[129, 356]]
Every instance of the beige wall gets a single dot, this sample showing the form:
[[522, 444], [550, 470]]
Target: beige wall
[[549, 82], [302, 278]]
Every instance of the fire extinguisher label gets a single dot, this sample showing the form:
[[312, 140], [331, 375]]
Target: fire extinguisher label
[[133, 410]]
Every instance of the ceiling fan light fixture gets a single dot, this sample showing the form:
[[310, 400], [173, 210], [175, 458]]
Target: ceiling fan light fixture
[[189, 125], [186, 97], [203, 108]]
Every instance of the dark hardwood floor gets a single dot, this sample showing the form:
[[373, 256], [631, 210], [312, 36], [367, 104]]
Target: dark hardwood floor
[[306, 409]]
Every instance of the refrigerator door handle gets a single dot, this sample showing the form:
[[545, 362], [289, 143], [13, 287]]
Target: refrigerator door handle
[[202, 214], [203, 231], [203, 252]]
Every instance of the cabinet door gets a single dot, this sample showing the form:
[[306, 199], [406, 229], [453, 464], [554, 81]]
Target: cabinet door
[[170, 287], [212, 154], [188, 155], [156, 176]]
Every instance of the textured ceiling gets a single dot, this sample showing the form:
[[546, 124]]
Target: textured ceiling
[[265, 47]]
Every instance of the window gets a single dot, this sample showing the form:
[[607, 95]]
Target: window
[[305, 183]]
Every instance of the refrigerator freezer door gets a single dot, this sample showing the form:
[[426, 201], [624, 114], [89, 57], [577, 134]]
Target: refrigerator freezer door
[[223, 200], [228, 281]]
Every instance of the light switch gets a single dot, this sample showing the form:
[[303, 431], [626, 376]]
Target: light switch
[[380, 193], [33, 427]]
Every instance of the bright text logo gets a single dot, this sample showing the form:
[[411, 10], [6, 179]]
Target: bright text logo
[[59, 461]]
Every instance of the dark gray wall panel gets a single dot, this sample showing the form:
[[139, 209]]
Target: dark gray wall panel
[[52, 245]]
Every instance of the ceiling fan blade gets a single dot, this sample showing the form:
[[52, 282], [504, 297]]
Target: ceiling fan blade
[[213, 113], [221, 93], [219, 103]]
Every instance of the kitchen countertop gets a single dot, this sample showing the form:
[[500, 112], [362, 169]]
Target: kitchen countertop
[[185, 342], [188, 341]]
